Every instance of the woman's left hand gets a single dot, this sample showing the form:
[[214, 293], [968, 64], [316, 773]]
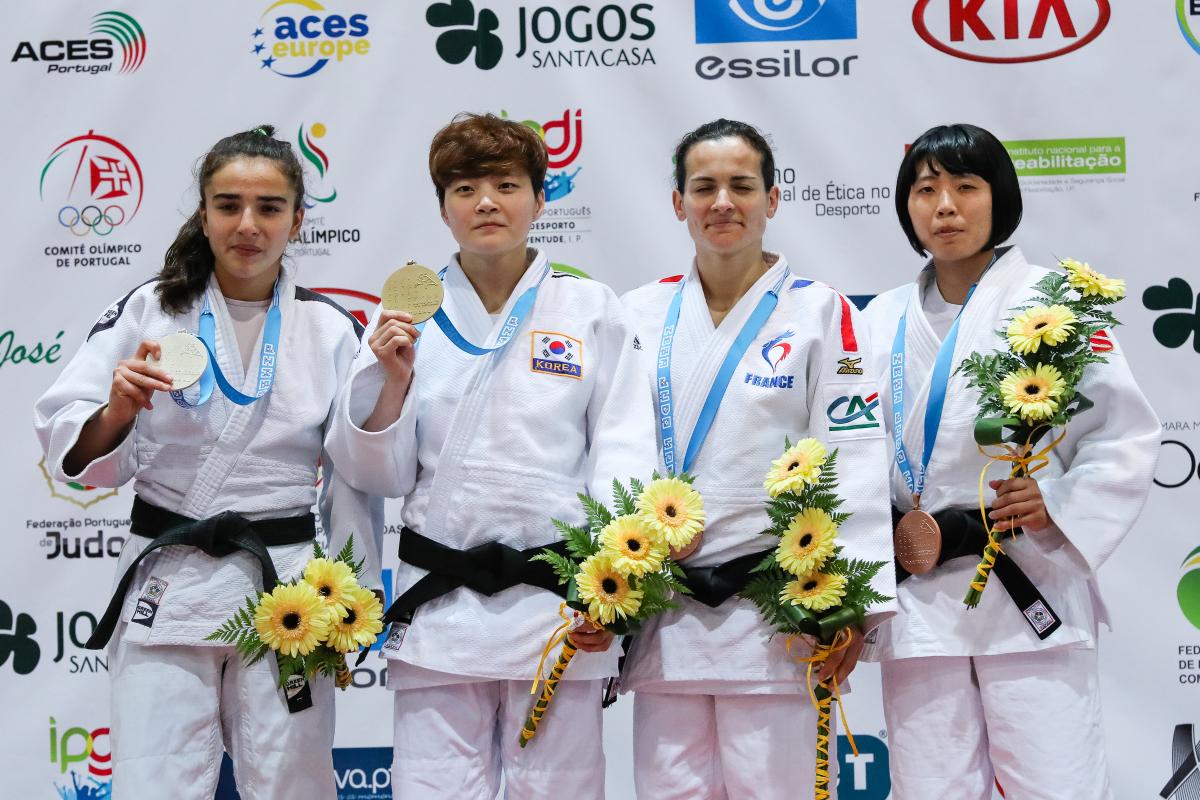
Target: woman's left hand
[[842, 662], [1019, 504], [590, 639]]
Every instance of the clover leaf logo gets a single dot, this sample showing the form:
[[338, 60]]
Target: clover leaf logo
[[1173, 330], [18, 641], [465, 35]]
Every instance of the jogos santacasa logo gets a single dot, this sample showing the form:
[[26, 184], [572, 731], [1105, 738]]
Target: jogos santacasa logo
[[97, 180], [1010, 31], [110, 30], [298, 38], [563, 137]]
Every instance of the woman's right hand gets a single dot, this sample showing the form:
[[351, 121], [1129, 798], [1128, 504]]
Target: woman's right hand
[[133, 385], [393, 342]]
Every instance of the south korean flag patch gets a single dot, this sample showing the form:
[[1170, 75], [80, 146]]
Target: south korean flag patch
[[556, 354]]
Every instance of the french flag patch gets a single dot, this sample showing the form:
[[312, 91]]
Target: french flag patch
[[556, 354]]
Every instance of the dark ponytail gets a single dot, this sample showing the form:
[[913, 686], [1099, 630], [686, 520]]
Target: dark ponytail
[[189, 260]]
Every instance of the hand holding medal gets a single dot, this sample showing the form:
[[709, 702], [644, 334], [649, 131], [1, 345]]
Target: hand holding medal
[[410, 296], [181, 356]]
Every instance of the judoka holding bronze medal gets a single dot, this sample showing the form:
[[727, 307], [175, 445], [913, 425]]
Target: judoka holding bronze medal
[[1008, 690]]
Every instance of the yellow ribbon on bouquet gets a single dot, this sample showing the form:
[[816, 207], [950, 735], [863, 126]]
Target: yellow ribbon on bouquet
[[820, 655]]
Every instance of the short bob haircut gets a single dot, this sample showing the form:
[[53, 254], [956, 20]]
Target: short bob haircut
[[475, 145], [721, 129], [963, 149]]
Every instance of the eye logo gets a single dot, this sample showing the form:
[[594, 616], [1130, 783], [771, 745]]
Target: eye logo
[[793, 14], [719, 21], [100, 169], [317, 157], [777, 350], [455, 45]]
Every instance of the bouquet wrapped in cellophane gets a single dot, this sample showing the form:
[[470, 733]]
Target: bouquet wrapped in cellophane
[[1031, 388], [618, 569], [806, 587], [310, 623]]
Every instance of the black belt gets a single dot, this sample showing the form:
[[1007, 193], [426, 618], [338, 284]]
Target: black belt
[[714, 585], [217, 536], [963, 534]]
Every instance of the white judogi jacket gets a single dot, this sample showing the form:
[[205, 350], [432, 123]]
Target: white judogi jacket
[[1094, 486], [490, 448], [803, 375], [258, 460]]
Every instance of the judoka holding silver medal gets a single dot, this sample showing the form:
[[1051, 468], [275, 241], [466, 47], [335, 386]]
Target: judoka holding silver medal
[[225, 474]]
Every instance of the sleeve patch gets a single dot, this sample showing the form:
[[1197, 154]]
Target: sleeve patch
[[851, 411], [113, 313]]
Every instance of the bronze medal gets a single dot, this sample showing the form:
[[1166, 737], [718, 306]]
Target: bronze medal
[[183, 358], [415, 290], [917, 541], [684, 552]]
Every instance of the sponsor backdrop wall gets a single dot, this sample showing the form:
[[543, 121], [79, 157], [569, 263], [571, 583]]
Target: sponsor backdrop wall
[[107, 106]]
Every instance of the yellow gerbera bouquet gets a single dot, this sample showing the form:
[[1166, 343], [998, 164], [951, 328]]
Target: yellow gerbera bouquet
[[311, 623], [1030, 388], [618, 569], [805, 586]]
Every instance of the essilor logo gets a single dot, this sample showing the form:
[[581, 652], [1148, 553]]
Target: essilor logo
[[1009, 31]]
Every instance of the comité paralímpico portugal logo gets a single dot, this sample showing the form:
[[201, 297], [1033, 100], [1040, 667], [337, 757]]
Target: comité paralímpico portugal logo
[[73, 55], [97, 180], [297, 38], [1188, 591], [317, 157], [776, 350], [564, 139]]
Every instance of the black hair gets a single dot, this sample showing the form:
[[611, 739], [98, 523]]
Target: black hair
[[720, 129], [963, 149], [189, 261]]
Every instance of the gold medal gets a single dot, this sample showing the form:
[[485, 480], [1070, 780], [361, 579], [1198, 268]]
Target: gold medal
[[413, 289], [917, 540], [183, 358]]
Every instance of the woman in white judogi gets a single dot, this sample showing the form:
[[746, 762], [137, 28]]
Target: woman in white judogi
[[721, 708], [248, 472], [486, 448], [1009, 689]]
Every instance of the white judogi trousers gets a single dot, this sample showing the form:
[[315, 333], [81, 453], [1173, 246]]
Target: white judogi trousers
[[175, 708], [1032, 721], [454, 742], [726, 747]]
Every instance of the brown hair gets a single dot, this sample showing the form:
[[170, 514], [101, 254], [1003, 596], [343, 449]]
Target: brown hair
[[474, 145]]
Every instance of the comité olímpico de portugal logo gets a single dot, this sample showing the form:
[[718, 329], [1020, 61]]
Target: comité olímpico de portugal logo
[[298, 38], [114, 34], [613, 34], [1010, 31], [320, 234], [772, 23], [562, 221], [93, 185]]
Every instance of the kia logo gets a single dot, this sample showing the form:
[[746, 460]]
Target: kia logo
[[1023, 30]]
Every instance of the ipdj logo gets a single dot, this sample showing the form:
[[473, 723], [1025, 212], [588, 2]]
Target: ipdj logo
[[98, 50], [776, 350], [1009, 31], [1188, 591], [1185, 763], [299, 39], [1174, 329], [97, 180], [774, 20], [865, 776], [563, 138], [75, 746], [853, 412], [17, 642], [79, 495], [1188, 14], [317, 157]]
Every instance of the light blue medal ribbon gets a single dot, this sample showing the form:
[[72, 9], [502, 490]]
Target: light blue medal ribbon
[[939, 382], [207, 333], [708, 412], [513, 324]]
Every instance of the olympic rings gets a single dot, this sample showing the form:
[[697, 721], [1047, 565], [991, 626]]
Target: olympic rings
[[92, 219]]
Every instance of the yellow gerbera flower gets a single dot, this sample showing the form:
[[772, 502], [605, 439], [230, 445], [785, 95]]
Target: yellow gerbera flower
[[628, 542], [799, 465], [815, 592], [361, 623], [808, 543], [673, 511], [293, 619], [1033, 394], [333, 580], [1091, 283], [606, 591], [1050, 325]]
